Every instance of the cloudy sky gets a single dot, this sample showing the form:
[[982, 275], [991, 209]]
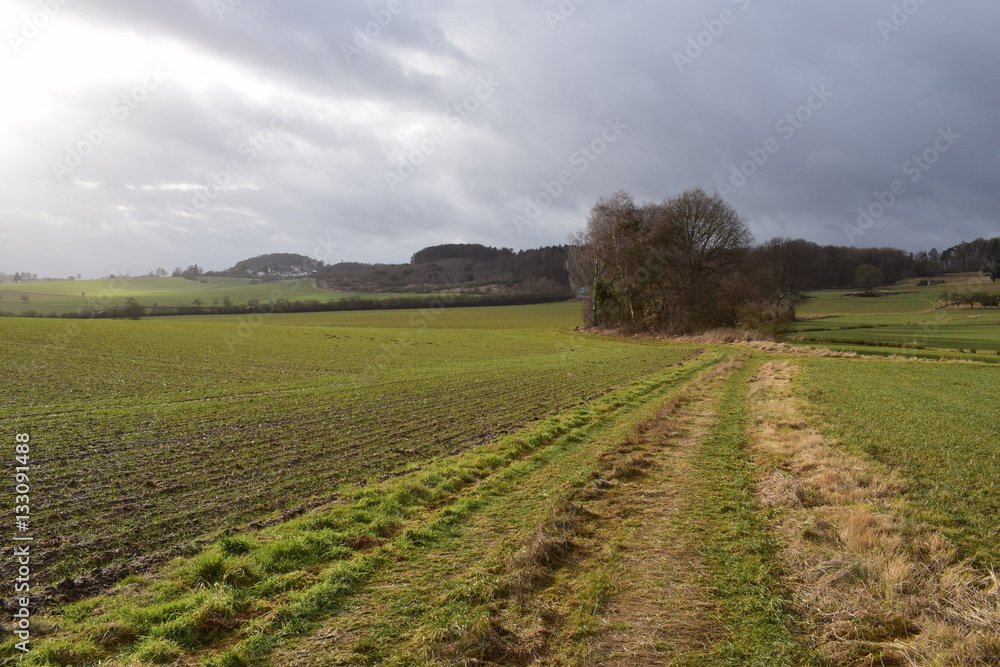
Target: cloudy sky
[[139, 134]]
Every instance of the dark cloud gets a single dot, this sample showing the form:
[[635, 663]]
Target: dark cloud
[[476, 110]]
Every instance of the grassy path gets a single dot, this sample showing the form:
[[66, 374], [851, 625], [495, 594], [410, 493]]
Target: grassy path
[[515, 580], [616, 550]]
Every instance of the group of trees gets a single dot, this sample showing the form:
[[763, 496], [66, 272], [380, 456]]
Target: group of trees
[[21, 277], [676, 266], [689, 263], [984, 299], [966, 257], [471, 251], [276, 263], [869, 277], [190, 273]]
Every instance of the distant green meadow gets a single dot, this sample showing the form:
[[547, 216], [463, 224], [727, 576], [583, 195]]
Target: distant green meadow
[[65, 296], [564, 315], [905, 316]]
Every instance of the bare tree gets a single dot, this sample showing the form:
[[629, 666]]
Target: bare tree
[[579, 262], [612, 243], [696, 241]]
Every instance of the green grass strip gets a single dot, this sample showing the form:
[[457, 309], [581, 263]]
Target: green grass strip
[[739, 548]]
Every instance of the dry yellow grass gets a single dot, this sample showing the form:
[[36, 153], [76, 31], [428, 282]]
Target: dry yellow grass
[[877, 589], [711, 337], [785, 348]]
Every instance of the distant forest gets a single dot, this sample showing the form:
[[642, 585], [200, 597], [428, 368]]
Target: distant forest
[[475, 268], [834, 267], [466, 267]]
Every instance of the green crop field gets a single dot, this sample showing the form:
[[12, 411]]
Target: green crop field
[[904, 316], [472, 486], [180, 413], [549, 316], [935, 423], [72, 295]]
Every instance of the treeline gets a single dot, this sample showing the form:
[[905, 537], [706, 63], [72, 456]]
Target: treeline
[[835, 267], [984, 299], [469, 267], [23, 278], [962, 258], [689, 264], [133, 310]]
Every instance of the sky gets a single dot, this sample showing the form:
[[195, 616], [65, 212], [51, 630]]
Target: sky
[[141, 134]]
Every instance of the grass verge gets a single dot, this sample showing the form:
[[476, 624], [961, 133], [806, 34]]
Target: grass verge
[[876, 586]]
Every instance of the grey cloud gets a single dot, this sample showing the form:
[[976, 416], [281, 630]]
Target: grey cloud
[[324, 177]]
